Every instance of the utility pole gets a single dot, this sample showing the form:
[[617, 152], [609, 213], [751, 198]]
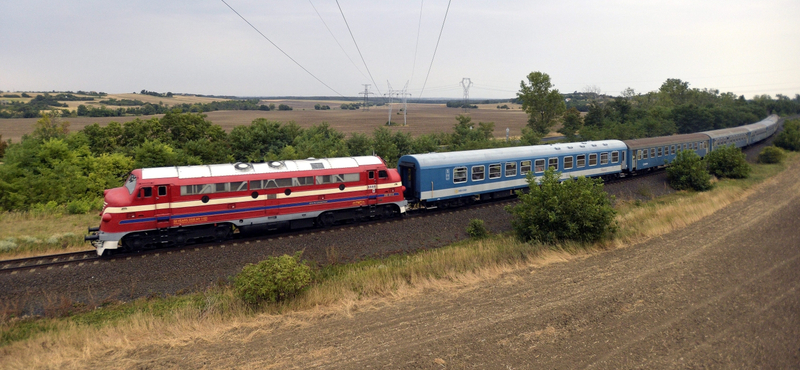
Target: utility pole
[[466, 83], [366, 94]]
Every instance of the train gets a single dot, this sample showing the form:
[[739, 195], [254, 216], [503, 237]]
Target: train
[[172, 206]]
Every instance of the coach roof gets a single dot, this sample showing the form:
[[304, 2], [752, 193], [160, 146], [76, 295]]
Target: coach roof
[[512, 153], [233, 169]]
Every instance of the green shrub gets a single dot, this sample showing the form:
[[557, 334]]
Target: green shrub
[[728, 161], [688, 171], [789, 138], [272, 280], [476, 229], [79, 207], [577, 209], [771, 154]]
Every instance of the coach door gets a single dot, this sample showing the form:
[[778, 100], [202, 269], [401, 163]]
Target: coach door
[[162, 201]]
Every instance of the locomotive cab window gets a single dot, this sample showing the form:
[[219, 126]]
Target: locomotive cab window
[[511, 169], [478, 173], [130, 184], [459, 175], [593, 159], [524, 167], [382, 174], [568, 163], [146, 192], [495, 171], [162, 191]]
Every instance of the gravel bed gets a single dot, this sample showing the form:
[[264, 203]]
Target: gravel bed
[[195, 269]]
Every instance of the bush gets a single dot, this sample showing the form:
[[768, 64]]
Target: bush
[[79, 207], [688, 171], [771, 154], [272, 280], [728, 161], [476, 229], [789, 138], [577, 209]]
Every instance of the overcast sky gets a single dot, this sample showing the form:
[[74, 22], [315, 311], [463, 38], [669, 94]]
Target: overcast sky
[[745, 47]]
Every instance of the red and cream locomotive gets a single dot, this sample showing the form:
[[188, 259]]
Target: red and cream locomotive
[[174, 205]]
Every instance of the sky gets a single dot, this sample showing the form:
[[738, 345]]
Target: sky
[[428, 46]]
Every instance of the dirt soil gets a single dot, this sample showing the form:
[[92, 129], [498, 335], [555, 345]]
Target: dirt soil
[[721, 293]]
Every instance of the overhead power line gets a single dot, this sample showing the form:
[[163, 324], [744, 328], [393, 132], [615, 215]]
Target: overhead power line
[[416, 46], [281, 50], [357, 48], [337, 40], [434, 49]]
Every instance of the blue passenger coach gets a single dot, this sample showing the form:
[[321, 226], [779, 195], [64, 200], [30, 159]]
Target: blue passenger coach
[[455, 178]]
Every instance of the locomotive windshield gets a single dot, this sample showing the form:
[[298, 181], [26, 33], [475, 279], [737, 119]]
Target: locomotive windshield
[[130, 184]]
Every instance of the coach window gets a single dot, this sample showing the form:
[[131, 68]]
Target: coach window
[[593, 159], [495, 171], [672, 150], [666, 150], [459, 175], [695, 146], [614, 157], [552, 163], [511, 169], [644, 153], [603, 158], [639, 154], [538, 165], [524, 167], [568, 162], [478, 173], [581, 160], [660, 153], [652, 152]]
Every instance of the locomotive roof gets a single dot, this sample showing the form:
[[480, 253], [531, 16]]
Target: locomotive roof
[[512, 153], [665, 140], [233, 169]]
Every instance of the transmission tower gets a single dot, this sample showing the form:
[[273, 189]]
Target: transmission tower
[[466, 83], [366, 94], [400, 94]]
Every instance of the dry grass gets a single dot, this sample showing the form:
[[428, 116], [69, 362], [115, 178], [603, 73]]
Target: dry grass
[[24, 234], [218, 315]]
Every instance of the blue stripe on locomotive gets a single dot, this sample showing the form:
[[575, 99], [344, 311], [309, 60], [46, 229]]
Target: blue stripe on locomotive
[[431, 176]]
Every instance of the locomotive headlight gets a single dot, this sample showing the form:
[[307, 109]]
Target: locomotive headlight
[[107, 217]]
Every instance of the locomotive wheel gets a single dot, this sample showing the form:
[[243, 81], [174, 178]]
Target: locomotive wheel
[[326, 219], [387, 212], [221, 233]]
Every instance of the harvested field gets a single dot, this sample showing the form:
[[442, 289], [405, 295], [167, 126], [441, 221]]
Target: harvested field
[[422, 118]]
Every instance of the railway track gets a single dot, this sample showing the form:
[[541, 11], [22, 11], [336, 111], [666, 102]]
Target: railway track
[[49, 261]]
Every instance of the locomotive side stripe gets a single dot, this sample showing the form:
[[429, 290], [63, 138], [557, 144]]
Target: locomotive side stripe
[[250, 209], [218, 201]]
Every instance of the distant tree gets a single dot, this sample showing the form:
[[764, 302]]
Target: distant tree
[[789, 138], [675, 91], [51, 126], [284, 107], [572, 123], [542, 103], [3, 146]]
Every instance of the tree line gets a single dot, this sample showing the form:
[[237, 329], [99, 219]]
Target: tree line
[[56, 167]]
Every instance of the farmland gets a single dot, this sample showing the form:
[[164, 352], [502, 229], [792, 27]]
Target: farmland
[[422, 118]]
